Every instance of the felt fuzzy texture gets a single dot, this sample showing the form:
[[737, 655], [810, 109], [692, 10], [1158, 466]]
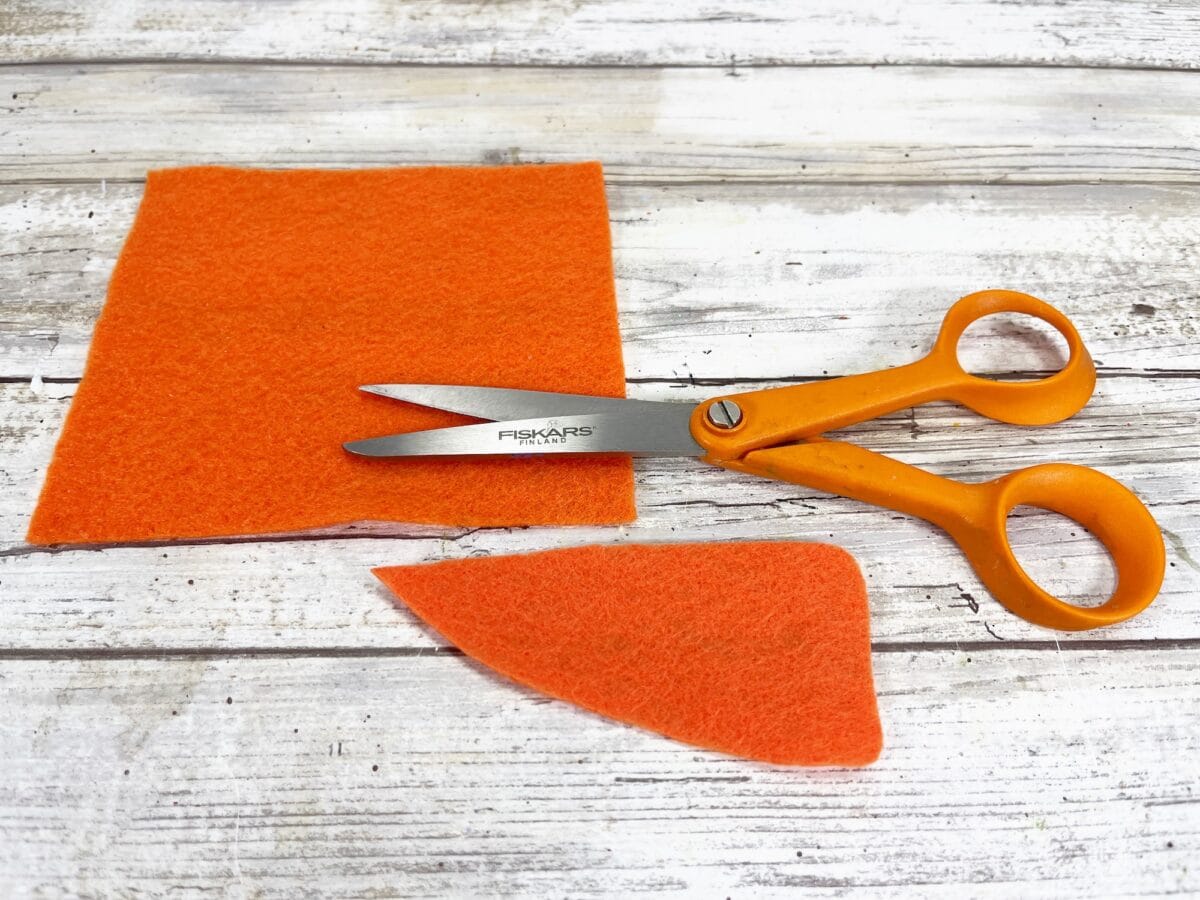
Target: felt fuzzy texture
[[758, 649], [247, 306]]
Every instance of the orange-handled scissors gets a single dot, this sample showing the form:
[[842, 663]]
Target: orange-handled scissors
[[776, 433]]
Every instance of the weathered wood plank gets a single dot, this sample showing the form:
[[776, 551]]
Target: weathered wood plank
[[749, 281], [320, 593], [815, 124], [1003, 774], [592, 32], [128, 774]]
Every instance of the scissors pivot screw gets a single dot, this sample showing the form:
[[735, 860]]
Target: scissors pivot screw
[[724, 414]]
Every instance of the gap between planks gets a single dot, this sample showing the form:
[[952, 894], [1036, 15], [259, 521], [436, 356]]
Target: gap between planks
[[616, 180], [705, 381], [173, 654], [732, 66]]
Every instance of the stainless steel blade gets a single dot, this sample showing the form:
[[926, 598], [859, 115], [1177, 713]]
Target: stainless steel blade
[[496, 404], [660, 429]]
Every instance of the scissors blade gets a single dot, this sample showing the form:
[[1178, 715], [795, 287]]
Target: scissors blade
[[643, 429], [495, 404]]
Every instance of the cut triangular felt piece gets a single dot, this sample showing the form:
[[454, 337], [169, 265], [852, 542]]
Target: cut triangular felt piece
[[757, 649]]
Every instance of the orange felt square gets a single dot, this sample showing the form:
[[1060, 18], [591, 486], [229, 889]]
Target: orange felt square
[[247, 306], [759, 649]]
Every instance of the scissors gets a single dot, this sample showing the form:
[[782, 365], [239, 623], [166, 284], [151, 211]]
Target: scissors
[[777, 433]]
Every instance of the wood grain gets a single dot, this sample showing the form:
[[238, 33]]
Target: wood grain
[[751, 281], [1004, 774], [319, 593], [812, 124], [734, 34], [797, 191]]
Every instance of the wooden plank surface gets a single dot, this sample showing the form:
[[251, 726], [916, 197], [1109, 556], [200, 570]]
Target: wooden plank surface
[[319, 593], [796, 192], [733, 34], [1016, 773], [659, 124], [752, 281]]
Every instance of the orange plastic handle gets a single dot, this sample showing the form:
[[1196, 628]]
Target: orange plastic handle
[[975, 515], [777, 415]]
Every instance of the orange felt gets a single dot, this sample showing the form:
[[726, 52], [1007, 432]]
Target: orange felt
[[247, 306], [756, 649]]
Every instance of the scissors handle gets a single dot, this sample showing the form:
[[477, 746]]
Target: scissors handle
[[779, 415], [975, 515]]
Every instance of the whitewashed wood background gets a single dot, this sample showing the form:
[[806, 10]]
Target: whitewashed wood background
[[797, 190]]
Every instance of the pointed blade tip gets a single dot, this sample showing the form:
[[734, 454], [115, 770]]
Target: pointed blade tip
[[359, 448]]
